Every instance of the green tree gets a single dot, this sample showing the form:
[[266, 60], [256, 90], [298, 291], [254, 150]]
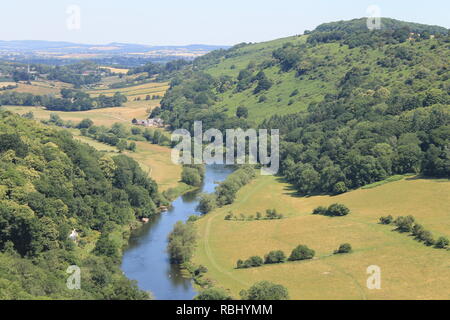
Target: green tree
[[207, 203], [242, 112], [301, 252], [265, 290], [344, 248], [213, 294]]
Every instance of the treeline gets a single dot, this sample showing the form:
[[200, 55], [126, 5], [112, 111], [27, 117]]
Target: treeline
[[408, 224], [119, 133], [301, 252], [70, 100], [271, 214], [386, 112], [182, 242], [355, 33], [225, 192], [50, 185], [163, 70], [193, 174]]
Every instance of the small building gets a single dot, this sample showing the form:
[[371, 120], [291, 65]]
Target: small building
[[154, 122], [73, 235]]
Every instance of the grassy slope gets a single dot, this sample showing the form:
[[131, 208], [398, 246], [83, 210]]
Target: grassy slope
[[410, 270], [332, 62]]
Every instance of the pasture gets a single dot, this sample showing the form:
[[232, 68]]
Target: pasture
[[409, 269]]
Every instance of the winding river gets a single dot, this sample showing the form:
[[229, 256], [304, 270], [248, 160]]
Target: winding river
[[146, 259]]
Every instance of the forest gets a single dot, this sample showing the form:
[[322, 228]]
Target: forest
[[386, 113], [51, 184]]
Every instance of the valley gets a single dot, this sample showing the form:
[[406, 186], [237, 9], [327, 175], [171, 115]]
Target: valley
[[364, 123]]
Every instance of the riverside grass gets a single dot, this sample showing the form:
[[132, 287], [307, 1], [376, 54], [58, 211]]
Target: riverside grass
[[402, 260]]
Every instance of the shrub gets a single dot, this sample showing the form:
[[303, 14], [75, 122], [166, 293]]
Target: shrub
[[302, 252], [339, 188], [334, 210], [386, 220], [251, 262], [427, 238], [337, 209], [404, 224], [191, 177], [213, 294], [207, 203], [277, 256], [442, 243], [229, 216], [344, 248], [320, 210], [265, 290]]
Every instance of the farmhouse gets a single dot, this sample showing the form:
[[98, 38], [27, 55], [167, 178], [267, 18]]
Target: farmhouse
[[155, 122]]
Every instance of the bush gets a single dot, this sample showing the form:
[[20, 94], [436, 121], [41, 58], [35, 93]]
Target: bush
[[427, 238], [404, 224], [182, 241], [337, 209], [265, 290], [320, 210], [442, 243], [334, 210], [277, 256], [191, 177], [251, 262], [344, 248], [213, 294], [207, 203], [339, 188], [386, 220], [302, 252]]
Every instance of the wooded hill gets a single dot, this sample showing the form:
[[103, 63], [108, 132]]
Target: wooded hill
[[354, 106], [51, 184]]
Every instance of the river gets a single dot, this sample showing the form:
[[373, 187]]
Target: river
[[146, 259]]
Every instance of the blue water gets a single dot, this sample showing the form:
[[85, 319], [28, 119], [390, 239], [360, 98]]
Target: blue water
[[146, 259]]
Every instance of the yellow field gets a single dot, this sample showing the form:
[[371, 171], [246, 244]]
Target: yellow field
[[117, 70], [157, 162], [137, 91], [409, 269], [152, 158], [105, 116], [38, 87]]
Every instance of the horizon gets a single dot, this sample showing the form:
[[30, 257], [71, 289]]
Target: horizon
[[198, 22]]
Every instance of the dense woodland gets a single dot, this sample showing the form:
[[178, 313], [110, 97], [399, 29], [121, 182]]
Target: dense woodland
[[386, 113], [70, 100], [50, 185]]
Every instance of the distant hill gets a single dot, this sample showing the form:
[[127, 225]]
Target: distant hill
[[127, 54], [30, 46], [338, 95]]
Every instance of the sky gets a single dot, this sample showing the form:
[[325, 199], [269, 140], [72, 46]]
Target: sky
[[182, 22]]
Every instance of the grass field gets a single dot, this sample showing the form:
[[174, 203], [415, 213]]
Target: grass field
[[409, 269], [154, 159], [137, 91], [38, 87], [105, 116]]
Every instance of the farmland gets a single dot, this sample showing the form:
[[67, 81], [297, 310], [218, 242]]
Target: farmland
[[403, 261]]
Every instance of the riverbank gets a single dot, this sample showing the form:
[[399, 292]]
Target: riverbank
[[221, 242], [146, 260]]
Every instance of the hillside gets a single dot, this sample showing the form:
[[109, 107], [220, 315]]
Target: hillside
[[409, 269], [50, 185], [353, 106]]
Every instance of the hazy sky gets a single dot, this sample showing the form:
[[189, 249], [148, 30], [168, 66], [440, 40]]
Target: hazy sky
[[173, 22]]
